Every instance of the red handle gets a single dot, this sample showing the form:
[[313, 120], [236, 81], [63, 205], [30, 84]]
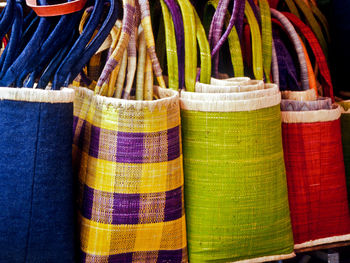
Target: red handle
[[56, 10]]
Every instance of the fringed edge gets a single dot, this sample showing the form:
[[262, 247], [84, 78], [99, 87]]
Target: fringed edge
[[64, 95], [230, 81], [231, 105], [267, 258], [167, 98], [269, 90], [311, 116], [228, 87], [304, 95], [322, 241]]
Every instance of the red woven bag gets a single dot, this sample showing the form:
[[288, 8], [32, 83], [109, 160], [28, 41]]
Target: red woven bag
[[316, 177]]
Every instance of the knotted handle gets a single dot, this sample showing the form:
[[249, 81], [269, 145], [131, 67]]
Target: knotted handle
[[58, 9]]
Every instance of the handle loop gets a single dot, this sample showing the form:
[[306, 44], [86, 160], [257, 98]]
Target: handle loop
[[58, 9]]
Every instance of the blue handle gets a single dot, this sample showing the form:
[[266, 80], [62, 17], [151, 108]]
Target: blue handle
[[54, 64], [78, 48], [28, 54], [58, 38], [96, 42], [7, 18], [15, 40], [29, 32]]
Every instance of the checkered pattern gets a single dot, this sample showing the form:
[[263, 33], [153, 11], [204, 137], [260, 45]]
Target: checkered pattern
[[129, 164]]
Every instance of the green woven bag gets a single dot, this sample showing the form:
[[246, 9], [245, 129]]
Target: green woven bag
[[235, 183]]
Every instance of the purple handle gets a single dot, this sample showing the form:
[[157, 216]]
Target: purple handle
[[236, 18], [180, 38]]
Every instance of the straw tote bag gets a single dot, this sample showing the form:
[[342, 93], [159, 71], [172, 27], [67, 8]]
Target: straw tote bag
[[36, 180], [128, 159], [36, 188], [316, 180], [235, 185], [314, 161]]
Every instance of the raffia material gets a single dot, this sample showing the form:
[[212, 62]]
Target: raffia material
[[316, 177], [37, 95], [128, 158], [294, 105], [269, 90], [236, 193], [230, 81], [227, 87], [231, 105], [311, 116], [297, 45], [305, 95]]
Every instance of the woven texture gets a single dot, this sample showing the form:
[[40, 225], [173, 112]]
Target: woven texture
[[128, 157], [235, 185], [36, 182], [316, 182]]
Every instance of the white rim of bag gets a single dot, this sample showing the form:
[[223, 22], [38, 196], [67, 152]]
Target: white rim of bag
[[311, 116], [231, 105], [268, 90], [230, 87], [64, 95], [167, 98], [303, 95], [229, 81]]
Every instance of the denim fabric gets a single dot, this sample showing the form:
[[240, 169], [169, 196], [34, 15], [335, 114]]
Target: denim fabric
[[36, 183]]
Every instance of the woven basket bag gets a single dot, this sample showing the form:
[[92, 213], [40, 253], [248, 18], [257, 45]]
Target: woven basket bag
[[235, 186], [128, 158], [36, 181], [313, 153], [316, 180]]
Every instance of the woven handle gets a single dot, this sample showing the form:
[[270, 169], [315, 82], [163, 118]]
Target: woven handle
[[256, 42], [174, 37], [56, 10], [317, 51], [306, 10], [297, 45], [233, 41], [266, 31], [217, 42]]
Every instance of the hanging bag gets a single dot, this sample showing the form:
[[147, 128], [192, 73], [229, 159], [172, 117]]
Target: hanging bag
[[314, 160], [236, 191], [36, 186], [128, 158]]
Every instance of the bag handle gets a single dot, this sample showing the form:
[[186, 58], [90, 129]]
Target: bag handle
[[58, 9], [266, 31], [297, 45], [174, 36], [306, 10], [233, 41], [318, 53]]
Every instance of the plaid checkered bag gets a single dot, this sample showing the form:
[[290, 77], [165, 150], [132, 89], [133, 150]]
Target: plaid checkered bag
[[128, 158]]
